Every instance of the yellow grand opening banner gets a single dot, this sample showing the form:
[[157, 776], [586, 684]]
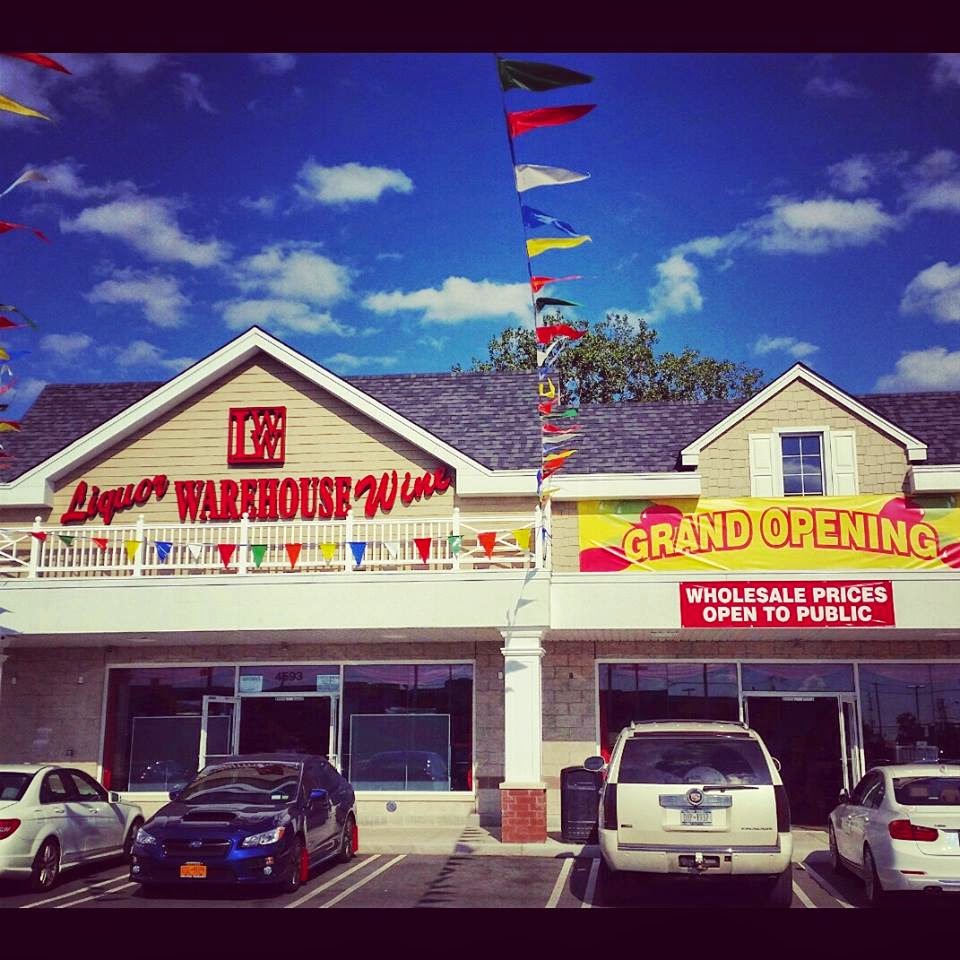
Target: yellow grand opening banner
[[882, 532]]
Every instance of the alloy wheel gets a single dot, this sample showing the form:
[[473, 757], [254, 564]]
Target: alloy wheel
[[46, 866]]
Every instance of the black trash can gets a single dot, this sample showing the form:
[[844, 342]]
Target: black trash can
[[579, 803]]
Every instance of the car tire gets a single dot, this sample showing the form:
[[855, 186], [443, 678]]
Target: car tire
[[836, 861], [779, 893], [291, 882], [129, 839], [346, 851], [872, 888], [46, 866]]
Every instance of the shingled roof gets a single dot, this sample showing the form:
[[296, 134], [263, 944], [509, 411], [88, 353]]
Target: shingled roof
[[489, 417]]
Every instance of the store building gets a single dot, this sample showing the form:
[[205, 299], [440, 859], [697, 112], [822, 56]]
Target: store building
[[261, 555]]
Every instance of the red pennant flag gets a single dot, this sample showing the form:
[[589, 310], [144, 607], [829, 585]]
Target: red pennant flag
[[293, 552], [545, 407], [538, 283], [40, 536], [226, 552], [6, 323], [548, 333], [101, 542], [6, 226], [487, 541], [40, 60], [555, 428], [423, 547], [521, 121]]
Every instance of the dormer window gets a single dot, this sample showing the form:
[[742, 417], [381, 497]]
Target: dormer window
[[806, 461], [802, 463]]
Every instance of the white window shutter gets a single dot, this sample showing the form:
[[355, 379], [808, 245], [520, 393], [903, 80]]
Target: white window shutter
[[761, 465], [843, 461]]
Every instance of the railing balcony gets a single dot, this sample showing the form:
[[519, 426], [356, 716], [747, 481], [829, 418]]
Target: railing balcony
[[252, 548]]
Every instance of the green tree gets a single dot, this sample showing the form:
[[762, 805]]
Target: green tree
[[615, 361]]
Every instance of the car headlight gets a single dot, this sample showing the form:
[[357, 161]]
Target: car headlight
[[145, 839], [262, 839]]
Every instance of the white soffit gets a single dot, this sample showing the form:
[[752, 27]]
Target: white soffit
[[935, 478], [916, 448], [590, 486]]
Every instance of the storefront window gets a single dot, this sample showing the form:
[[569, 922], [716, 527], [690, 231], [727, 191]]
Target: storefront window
[[911, 711], [668, 691], [152, 739], [408, 726], [798, 677]]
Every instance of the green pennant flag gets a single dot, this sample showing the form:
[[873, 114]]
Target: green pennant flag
[[257, 550], [67, 538], [537, 77], [456, 543]]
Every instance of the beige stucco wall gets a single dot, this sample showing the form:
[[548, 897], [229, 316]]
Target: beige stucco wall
[[725, 464]]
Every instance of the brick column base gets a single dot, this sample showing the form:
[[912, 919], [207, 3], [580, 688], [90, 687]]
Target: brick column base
[[523, 814]]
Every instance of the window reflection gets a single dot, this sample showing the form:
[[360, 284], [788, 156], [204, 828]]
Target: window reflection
[[798, 677]]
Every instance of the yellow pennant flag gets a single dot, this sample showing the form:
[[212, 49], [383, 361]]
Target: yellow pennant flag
[[7, 104], [328, 550], [559, 455], [3, 354], [522, 537], [542, 244], [131, 546]]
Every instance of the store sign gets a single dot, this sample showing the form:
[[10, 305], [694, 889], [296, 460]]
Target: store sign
[[256, 435], [788, 603], [795, 533]]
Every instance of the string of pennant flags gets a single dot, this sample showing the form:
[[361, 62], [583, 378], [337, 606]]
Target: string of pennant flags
[[551, 338], [328, 550]]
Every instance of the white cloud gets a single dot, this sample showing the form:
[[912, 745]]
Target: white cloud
[[935, 368], [938, 196], [348, 361], [149, 224], [459, 300], [65, 346], [135, 64], [264, 205], [390, 255], [349, 183], [816, 226], [946, 70], [854, 175], [677, 291], [274, 63], [934, 182], [141, 353], [283, 315], [160, 297], [798, 349], [821, 86], [64, 178], [935, 292], [633, 316], [190, 88], [294, 271]]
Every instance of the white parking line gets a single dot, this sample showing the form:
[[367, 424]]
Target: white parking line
[[832, 890], [360, 883], [73, 893], [336, 879], [122, 886], [802, 897], [561, 882], [591, 884]]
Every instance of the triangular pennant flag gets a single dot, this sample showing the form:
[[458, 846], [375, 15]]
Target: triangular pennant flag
[[556, 457], [569, 412], [487, 541], [358, 548], [258, 551], [538, 283], [523, 121], [67, 539], [392, 547], [534, 218], [7, 104], [6, 226], [23, 178], [544, 408], [163, 549], [293, 552], [552, 331], [423, 547], [226, 552], [10, 308], [39, 535], [539, 245], [43, 61], [131, 546], [547, 388], [522, 537], [8, 425], [101, 542], [455, 541], [530, 175], [547, 358], [551, 443], [555, 302], [195, 550], [537, 77], [328, 550]]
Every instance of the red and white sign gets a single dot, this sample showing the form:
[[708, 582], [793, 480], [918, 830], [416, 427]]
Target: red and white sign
[[256, 435], [787, 603]]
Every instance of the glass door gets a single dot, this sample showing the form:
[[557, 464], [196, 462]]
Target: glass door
[[851, 747], [219, 726]]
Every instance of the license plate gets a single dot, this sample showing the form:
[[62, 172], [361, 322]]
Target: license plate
[[198, 870], [696, 817]]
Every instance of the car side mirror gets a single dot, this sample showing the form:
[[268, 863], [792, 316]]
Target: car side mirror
[[844, 797], [776, 763], [594, 764], [318, 793], [114, 796], [174, 794]]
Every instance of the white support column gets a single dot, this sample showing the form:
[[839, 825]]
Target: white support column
[[522, 707]]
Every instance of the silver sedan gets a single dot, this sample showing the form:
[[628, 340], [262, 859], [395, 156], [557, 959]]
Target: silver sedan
[[54, 817], [900, 829]]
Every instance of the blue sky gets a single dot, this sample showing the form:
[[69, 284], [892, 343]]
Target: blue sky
[[362, 207]]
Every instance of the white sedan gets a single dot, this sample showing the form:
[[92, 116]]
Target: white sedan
[[55, 817], [900, 829]]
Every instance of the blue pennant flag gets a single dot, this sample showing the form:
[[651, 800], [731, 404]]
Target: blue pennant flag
[[358, 548], [163, 550], [537, 218]]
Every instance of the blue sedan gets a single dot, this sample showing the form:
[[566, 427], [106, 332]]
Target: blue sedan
[[263, 819]]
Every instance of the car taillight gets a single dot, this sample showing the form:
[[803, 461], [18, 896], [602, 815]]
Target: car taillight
[[610, 807], [7, 827], [905, 830], [783, 808]]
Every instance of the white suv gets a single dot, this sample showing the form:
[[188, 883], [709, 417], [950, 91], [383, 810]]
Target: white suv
[[696, 797]]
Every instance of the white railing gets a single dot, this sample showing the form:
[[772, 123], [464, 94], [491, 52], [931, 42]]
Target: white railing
[[248, 548]]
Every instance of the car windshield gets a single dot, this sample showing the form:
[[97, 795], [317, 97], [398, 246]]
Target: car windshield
[[13, 785], [247, 783], [725, 761], [927, 791]]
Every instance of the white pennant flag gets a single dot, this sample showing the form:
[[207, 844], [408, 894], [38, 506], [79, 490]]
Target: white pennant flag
[[195, 550], [392, 547], [530, 175]]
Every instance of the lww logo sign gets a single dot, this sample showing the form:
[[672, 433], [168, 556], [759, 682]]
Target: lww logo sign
[[257, 435]]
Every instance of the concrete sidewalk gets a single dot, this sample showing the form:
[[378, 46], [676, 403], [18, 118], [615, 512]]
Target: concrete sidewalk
[[474, 840]]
